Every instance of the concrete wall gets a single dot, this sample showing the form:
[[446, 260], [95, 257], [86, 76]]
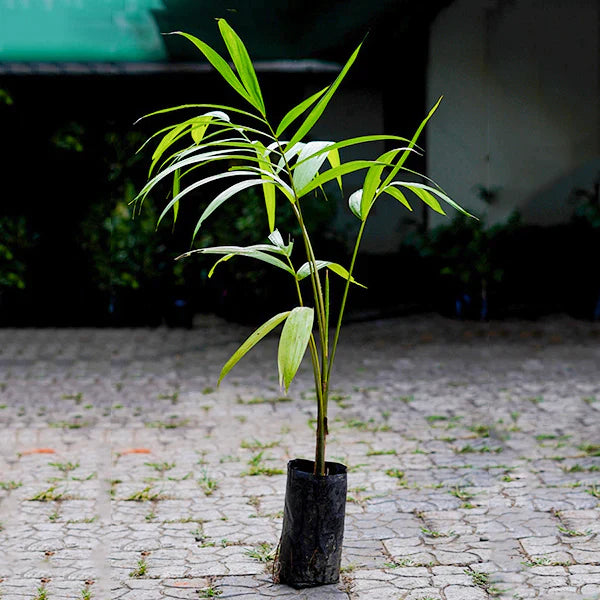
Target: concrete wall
[[521, 109]]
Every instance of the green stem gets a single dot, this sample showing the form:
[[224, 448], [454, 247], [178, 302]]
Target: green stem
[[320, 370], [344, 297]]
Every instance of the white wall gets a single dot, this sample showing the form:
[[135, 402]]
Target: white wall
[[521, 109]]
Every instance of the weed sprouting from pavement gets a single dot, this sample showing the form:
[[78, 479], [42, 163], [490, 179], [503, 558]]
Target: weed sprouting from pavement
[[207, 484], [141, 568], [49, 495]]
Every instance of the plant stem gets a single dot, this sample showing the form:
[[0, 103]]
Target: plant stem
[[320, 370], [344, 297]]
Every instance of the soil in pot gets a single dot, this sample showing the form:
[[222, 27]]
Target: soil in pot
[[310, 549]]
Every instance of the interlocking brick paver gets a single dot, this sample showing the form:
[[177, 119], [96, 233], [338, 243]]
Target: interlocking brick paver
[[472, 447]]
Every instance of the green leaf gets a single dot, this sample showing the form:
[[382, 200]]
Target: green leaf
[[317, 111], [258, 251], [276, 239], [194, 186], [293, 342], [426, 193], [373, 180], [411, 144], [295, 112], [334, 160], [191, 160], [268, 190], [254, 338], [201, 123], [220, 64], [224, 196], [343, 169], [195, 106], [176, 189], [398, 195], [305, 270], [310, 165], [362, 139], [243, 64]]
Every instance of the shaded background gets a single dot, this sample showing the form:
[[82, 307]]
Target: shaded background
[[518, 134]]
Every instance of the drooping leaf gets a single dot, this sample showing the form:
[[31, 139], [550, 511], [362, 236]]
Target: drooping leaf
[[224, 196], [194, 186], [308, 166], [202, 157], [317, 111], [293, 342], [251, 341], [203, 105], [271, 177], [306, 269], [295, 112], [418, 188], [243, 64], [258, 252], [398, 195]]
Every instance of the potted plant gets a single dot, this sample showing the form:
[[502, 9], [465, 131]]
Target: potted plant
[[291, 171]]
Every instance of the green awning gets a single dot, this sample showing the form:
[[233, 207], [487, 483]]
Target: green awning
[[80, 30]]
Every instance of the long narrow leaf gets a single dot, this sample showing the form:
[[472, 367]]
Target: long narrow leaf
[[293, 342], [411, 144], [411, 185], [262, 256], [362, 139], [176, 190], [317, 111], [196, 185], [242, 63], [239, 111], [398, 195], [373, 180], [254, 338], [343, 169], [220, 64], [258, 251], [197, 158], [305, 270], [223, 197], [333, 156], [295, 112], [268, 190]]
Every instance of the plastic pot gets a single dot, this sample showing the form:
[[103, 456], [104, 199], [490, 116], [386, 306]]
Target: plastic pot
[[310, 549]]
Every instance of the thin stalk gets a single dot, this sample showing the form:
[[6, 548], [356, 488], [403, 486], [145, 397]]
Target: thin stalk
[[316, 280], [344, 297], [320, 371]]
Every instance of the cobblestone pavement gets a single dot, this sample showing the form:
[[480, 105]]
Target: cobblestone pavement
[[473, 450]]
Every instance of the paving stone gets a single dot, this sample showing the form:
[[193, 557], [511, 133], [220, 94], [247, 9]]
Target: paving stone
[[149, 403]]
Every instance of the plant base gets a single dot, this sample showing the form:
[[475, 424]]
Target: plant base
[[310, 549]]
